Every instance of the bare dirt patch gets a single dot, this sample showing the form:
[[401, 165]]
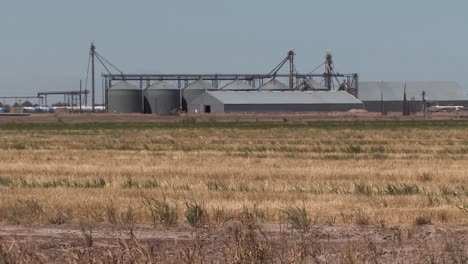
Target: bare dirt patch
[[322, 244]]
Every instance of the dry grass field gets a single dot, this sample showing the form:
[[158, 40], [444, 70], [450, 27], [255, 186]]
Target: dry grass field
[[204, 174]]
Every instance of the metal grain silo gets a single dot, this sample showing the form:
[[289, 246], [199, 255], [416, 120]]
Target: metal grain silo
[[313, 85], [194, 90], [124, 97], [274, 85], [237, 85], [163, 98]]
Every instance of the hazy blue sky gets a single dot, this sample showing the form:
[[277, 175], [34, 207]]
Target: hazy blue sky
[[44, 43]]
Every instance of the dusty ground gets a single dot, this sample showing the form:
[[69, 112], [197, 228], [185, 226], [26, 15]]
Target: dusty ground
[[323, 244], [280, 117]]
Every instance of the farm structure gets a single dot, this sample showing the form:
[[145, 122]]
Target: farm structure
[[235, 92], [273, 101], [389, 96], [320, 91]]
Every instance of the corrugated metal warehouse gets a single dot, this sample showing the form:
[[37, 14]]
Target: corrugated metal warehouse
[[272, 101], [436, 93], [125, 98]]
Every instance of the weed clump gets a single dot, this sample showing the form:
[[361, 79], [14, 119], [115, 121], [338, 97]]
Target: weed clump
[[361, 218], [161, 211], [195, 213], [298, 218], [87, 232], [61, 217], [423, 220], [249, 245]]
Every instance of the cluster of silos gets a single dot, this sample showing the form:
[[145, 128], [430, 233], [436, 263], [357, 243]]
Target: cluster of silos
[[161, 98], [164, 98]]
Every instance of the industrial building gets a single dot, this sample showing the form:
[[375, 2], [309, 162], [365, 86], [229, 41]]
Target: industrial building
[[273, 101], [228, 93], [326, 90], [389, 96]]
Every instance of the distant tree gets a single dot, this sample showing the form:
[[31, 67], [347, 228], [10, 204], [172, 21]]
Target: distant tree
[[16, 104], [26, 104], [1, 105]]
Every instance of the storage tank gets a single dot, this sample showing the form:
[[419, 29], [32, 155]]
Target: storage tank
[[274, 85], [194, 90], [313, 85], [237, 85], [124, 97], [162, 98]]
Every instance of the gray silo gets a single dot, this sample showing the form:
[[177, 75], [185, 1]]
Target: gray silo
[[162, 98], [194, 90], [124, 98], [274, 85], [313, 85], [237, 85]]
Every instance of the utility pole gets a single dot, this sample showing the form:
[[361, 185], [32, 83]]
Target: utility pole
[[291, 69], [405, 103], [81, 87], [328, 71], [93, 80], [424, 102]]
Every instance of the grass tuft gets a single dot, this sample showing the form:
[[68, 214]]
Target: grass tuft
[[423, 220], [195, 213], [161, 211], [298, 218]]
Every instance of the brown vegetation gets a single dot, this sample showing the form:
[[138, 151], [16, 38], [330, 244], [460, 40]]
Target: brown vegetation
[[340, 176], [209, 176]]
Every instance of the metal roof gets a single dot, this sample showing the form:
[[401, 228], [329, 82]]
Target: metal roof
[[163, 85], [237, 85], [200, 85], [274, 85], [124, 85], [393, 91], [283, 97]]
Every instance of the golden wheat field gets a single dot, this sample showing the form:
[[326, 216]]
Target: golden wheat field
[[352, 173]]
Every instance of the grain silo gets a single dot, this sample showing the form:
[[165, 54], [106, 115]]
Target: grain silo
[[274, 85], [313, 85], [237, 85], [194, 90], [124, 98], [162, 98]]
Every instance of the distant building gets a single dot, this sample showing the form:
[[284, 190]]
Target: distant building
[[392, 93], [272, 101]]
